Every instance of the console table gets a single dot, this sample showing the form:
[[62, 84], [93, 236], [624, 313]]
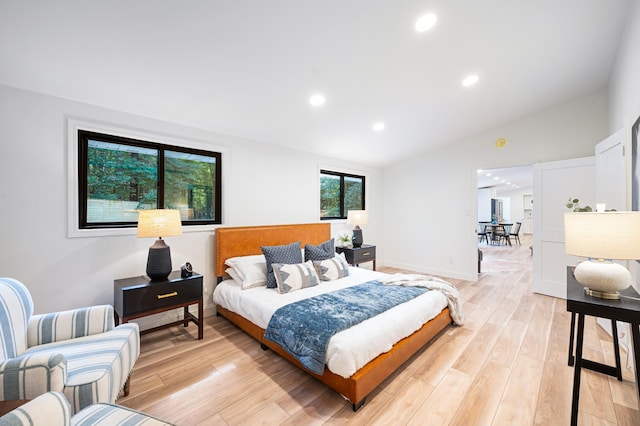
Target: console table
[[624, 310], [138, 297]]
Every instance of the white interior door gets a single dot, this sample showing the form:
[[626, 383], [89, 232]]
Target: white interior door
[[553, 184]]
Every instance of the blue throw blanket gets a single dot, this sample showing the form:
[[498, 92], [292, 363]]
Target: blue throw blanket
[[304, 328]]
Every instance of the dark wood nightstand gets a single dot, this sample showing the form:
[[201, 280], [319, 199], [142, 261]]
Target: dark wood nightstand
[[627, 309], [138, 297], [356, 256]]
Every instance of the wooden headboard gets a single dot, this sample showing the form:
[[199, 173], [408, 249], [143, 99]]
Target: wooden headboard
[[246, 240]]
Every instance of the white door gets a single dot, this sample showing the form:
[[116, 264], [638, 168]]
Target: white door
[[611, 188], [553, 184]]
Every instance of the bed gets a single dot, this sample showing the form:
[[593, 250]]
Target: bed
[[361, 376]]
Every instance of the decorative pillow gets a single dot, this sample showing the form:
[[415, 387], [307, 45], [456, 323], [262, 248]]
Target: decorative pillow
[[287, 254], [322, 251], [251, 271], [294, 277], [331, 269]]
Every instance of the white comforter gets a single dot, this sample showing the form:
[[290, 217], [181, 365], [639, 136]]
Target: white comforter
[[348, 350]]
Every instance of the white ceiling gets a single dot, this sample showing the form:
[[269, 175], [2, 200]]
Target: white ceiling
[[247, 67], [506, 179]]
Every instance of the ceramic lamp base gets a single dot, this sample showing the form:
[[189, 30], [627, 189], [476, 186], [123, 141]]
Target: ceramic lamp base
[[602, 279], [357, 237], [159, 261]]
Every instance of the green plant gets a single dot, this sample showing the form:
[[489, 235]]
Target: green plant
[[574, 204], [344, 237]]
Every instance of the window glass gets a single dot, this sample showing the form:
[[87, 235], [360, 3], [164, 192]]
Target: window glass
[[190, 182], [353, 193], [329, 195], [120, 180], [118, 176], [339, 193]]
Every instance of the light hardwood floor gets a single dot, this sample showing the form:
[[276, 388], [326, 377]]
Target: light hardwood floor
[[506, 366]]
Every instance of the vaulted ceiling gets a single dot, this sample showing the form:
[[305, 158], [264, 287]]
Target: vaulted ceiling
[[248, 68]]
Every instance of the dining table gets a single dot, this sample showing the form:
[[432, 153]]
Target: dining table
[[497, 229]]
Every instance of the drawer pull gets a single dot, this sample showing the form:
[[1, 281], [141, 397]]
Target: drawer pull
[[366, 254], [164, 296]]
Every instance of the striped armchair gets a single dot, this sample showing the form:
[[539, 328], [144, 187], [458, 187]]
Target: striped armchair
[[78, 352], [52, 408]]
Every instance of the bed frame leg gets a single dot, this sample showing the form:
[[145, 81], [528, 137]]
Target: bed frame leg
[[359, 405], [264, 347]]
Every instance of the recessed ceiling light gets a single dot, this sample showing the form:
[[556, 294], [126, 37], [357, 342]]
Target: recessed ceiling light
[[480, 170], [426, 22], [316, 100], [378, 127], [470, 80]]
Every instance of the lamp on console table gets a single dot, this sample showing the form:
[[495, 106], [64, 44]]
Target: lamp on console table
[[357, 218], [159, 223], [602, 237]]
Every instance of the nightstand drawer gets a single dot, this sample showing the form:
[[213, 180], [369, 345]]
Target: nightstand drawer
[[160, 295], [364, 254], [152, 296], [138, 297], [355, 256]]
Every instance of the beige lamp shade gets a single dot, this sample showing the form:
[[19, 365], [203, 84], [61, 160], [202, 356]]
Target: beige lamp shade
[[603, 237], [606, 235], [357, 217], [159, 223]]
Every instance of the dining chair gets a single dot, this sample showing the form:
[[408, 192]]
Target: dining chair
[[503, 233], [482, 232], [515, 232]]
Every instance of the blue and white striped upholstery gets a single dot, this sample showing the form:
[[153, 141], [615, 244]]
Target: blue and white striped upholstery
[[16, 307], [71, 324], [111, 414], [77, 352], [29, 375], [52, 408]]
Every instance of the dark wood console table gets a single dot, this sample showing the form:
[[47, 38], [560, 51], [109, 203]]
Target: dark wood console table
[[624, 310], [138, 297]]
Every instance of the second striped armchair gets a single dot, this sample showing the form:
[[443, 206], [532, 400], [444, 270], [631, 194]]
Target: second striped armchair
[[78, 352]]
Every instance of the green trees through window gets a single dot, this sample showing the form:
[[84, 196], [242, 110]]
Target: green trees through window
[[339, 193], [118, 176]]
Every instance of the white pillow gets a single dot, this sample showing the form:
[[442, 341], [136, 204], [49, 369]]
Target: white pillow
[[251, 271], [295, 276], [234, 275]]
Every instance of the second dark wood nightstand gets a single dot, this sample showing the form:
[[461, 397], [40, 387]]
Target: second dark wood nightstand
[[356, 256], [137, 297]]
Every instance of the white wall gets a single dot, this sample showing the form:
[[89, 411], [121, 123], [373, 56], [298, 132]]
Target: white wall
[[624, 94], [263, 184], [624, 86], [484, 204], [516, 202], [430, 200]]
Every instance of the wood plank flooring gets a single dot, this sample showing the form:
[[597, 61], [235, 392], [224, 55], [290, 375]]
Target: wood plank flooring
[[506, 366]]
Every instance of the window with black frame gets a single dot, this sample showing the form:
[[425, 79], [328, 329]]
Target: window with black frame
[[339, 193], [118, 176]]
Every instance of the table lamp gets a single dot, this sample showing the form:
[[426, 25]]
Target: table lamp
[[603, 237], [159, 223], [357, 218]]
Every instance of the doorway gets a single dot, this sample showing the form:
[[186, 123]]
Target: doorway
[[506, 195]]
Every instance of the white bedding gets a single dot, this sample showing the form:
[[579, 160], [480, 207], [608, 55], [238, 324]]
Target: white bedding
[[348, 350]]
